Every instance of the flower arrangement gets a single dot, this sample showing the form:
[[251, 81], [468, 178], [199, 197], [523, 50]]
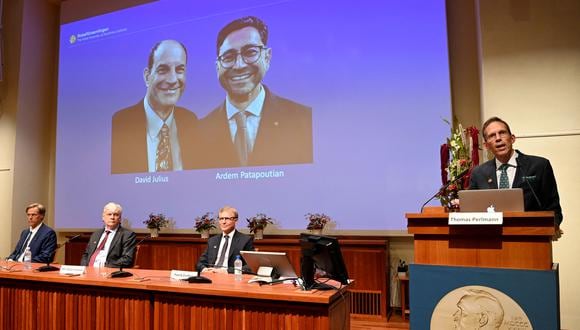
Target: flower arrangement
[[204, 223], [317, 221], [259, 222], [156, 221], [458, 157]]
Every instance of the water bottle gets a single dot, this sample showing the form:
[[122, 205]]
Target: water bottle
[[238, 268], [27, 259]]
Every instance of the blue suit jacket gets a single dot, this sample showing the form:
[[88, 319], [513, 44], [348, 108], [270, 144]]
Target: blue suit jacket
[[240, 242], [42, 246], [532, 173]]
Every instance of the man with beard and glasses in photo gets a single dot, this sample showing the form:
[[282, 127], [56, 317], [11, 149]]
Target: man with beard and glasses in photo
[[253, 126], [155, 135]]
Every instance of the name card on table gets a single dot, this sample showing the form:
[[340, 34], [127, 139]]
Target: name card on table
[[181, 274], [72, 270], [475, 218]]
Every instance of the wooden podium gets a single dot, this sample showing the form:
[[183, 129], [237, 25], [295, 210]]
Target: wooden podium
[[524, 241], [514, 259]]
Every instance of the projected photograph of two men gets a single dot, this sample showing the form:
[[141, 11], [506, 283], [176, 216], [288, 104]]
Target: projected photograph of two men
[[283, 107]]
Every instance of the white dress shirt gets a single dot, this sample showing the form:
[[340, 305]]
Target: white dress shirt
[[511, 170], [101, 258], [222, 246], [33, 233]]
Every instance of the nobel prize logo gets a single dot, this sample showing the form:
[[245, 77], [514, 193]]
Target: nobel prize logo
[[72, 39], [478, 307]]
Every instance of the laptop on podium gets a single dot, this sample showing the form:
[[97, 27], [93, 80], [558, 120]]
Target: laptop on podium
[[501, 199]]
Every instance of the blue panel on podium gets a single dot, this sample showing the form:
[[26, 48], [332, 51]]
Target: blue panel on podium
[[443, 297]]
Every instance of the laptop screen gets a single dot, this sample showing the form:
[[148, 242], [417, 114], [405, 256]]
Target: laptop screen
[[501, 200]]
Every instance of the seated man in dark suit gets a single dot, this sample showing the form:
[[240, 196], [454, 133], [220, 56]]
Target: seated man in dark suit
[[40, 238], [113, 245], [222, 249], [253, 126], [512, 169]]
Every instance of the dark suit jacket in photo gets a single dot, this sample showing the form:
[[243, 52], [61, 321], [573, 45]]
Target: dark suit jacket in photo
[[42, 246], [129, 139], [121, 252], [534, 175], [240, 242], [284, 135]]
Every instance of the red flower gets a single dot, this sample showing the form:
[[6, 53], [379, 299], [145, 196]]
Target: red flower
[[444, 152], [466, 179], [474, 133]]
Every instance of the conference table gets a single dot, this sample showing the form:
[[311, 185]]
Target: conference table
[[150, 299]]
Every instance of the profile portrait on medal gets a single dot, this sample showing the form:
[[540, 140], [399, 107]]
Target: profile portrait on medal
[[478, 307]]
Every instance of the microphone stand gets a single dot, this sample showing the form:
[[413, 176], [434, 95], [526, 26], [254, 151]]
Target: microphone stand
[[48, 267], [525, 178], [200, 278], [121, 273], [459, 177]]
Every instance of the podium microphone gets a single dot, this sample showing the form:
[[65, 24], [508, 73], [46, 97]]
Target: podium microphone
[[459, 177], [121, 273], [48, 267], [526, 179]]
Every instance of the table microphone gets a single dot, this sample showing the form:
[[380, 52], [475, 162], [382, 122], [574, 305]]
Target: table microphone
[[202, 279], [121, 272], [48, 267], [198, 279]]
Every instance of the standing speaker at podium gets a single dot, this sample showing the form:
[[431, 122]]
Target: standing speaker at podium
[[512, 169]]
